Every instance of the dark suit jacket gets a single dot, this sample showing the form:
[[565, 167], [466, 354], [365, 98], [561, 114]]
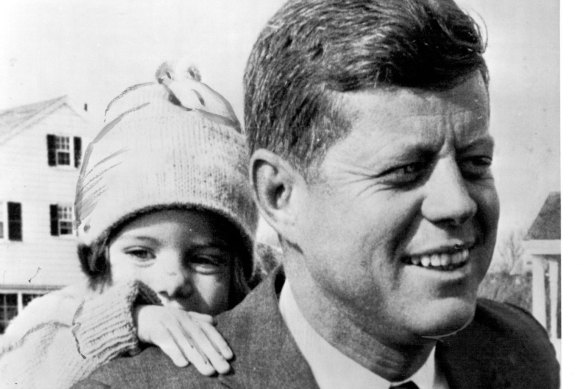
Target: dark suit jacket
[[504, 347]]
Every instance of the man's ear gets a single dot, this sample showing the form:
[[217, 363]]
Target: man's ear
[[276, 184]]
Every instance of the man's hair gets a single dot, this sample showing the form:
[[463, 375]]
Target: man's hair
[[311, 49], [95, 262]]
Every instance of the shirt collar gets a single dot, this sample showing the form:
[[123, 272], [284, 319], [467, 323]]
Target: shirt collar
[[334, 370]]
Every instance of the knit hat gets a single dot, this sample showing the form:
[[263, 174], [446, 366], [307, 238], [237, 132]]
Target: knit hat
[[166, 144]]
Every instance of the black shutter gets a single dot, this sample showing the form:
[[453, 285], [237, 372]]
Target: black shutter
[[51, 150], [14, 221], [77, 144], [54, 219]]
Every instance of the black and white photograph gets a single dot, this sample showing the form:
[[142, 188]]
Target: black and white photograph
[[284, 194]]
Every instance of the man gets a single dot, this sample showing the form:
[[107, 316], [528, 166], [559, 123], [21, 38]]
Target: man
[[368, 123]]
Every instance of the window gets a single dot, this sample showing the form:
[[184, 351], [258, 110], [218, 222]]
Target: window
[[28, 297], [3, 223], [10, 221], [8, 309], [12, 303], [61, 219], [64, 150]]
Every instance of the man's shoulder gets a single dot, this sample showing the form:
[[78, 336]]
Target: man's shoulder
[[507, 344], [265, 353], [502, 322], [149, 369], [513, 324]]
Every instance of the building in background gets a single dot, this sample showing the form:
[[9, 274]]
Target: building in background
[[41, 147], [542, 243]]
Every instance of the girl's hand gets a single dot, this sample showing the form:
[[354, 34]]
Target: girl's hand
[[184, 336]]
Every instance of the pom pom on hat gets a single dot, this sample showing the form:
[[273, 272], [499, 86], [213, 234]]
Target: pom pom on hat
[[168, 70], [166, 144], [182, 80]]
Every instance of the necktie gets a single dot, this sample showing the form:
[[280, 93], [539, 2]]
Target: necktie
[[405, 385]]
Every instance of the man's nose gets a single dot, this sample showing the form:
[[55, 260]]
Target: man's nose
[[176, 282], [448, 200]]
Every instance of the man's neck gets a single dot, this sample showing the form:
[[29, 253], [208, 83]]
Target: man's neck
[[391, 361]]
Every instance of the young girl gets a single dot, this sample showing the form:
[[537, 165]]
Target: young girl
[[165, 221]]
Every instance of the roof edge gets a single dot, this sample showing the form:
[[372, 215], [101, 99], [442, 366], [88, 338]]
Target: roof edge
[[59, 101]]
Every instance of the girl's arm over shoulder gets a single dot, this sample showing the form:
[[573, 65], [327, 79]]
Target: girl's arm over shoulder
[[62, 337]]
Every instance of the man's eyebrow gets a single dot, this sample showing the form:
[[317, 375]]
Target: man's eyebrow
[[484, 141], [414, 150]]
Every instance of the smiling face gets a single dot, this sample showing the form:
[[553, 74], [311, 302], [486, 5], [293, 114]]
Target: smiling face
[[398, 228], [182, 255]]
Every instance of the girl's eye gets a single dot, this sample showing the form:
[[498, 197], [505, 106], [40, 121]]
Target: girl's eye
[[140, 253], [209, 263], [476, 167]]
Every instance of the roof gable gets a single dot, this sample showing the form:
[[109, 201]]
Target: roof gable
[[547, 224], [14, 119]]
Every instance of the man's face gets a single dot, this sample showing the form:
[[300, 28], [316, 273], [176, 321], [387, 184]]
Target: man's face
[[398, 230]]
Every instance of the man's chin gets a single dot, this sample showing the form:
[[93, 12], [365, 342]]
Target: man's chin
[[447, 322]]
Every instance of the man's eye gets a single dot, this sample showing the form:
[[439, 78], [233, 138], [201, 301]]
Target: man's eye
[[476, 167], [406, 174]]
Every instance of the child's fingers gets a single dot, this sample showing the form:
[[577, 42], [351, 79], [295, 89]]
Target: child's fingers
[[202, 317], [203, 345], [169, 347], [189, 349], [217, 341], [197, 359]]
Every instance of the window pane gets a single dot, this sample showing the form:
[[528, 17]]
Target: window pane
[[28, 297], [63, 158], [65, 212], [62, 143], [65, 228], [2, 219], [65, 218], [8, 309], [11, 299]]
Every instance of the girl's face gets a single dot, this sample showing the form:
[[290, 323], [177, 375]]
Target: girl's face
[[183, 255]]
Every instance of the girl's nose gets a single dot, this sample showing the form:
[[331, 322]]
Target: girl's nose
[[175, 279]]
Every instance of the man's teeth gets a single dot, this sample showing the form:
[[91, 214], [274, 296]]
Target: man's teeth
[[443, 260]]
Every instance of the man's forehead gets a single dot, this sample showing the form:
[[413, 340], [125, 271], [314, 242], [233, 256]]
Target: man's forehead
[[406, 122], [471, 95]]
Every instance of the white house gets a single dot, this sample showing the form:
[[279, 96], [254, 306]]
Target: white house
[[543, 244], [40, 152]]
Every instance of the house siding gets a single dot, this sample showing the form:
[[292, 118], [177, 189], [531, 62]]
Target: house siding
[[40, 261]]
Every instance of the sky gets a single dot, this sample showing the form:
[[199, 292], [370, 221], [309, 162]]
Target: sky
[[91, 50]]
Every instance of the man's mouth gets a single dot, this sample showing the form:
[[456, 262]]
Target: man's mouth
[[444, 261]]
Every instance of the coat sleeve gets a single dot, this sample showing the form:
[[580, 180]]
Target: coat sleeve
[[62, 337]]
